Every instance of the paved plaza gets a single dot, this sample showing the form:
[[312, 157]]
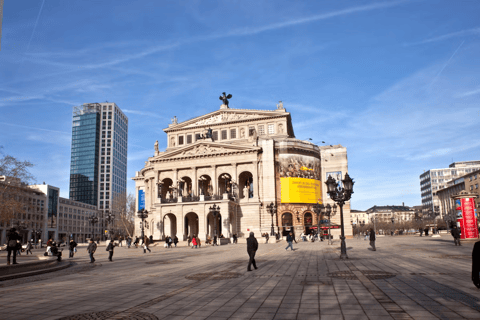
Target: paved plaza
[[408, 277]]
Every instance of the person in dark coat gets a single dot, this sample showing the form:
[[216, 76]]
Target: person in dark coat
[[175, 241], [215, 240], [476, 264], [456, 236], [12, 237], [372, 239], [290, 241], [71, 247], [92, 247], [151, 239], [252, 246], [110, 248]]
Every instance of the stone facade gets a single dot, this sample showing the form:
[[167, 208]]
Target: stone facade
[[231, 158]]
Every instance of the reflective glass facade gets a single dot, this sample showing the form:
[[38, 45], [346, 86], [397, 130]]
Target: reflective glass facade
[[85, 157]]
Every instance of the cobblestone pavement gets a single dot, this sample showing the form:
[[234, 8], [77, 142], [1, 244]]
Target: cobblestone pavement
[[408, 277]]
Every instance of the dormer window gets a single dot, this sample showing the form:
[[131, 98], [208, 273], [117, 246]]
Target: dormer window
[[233, 133], [215, 135], [180, 140], [261, 130], [189, 138], [224, 134]]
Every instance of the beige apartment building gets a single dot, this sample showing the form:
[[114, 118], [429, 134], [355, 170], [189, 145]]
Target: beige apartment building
[[242, 161]]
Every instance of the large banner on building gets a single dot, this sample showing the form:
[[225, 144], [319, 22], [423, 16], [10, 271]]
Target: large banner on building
[[300, 179], [141, 199], [466, 217]]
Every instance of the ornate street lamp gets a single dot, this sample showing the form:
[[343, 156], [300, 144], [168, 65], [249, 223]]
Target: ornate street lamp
[[215, 211], [273, 210], [341, 195], [110, 219], [93, 220], [143, 214]]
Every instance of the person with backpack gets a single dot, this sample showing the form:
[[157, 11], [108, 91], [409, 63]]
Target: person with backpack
[[29, 247], [71, 248], [110, 248], [12, 238]]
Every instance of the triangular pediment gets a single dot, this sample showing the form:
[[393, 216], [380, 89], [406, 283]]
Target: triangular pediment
[[204, 148], [224, 116]]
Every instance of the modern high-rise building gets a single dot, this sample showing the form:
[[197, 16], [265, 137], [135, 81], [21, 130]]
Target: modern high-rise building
[[98, 169], [434, 180]]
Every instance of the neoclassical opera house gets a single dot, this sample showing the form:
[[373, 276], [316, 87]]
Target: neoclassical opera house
[[241, 161]]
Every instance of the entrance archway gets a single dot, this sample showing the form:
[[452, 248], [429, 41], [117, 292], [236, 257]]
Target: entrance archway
[[245, 179], [185, 187], [224, 183], [166, 188], [287, 223], [191, 224], [170, 225], [205, 185], [211, 225], [307, 222]]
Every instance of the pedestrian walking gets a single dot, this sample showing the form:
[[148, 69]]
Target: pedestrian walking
[[252, 247], [151, 239], [175, 241], [189, 240], [170, 241], [366, 236], [120, 241], [199, 243], [215, 240], [266, 237], [71, 248], [29, 247], [194, 242], [136, 242], [289, 241], [476, 264], [129, 242], [12, 238], [372, 239], [146, 243], [456, 236], [110, 248], [235, 238], [92, 247]]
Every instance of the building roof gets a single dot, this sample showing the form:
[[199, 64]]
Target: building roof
[[388, 209]]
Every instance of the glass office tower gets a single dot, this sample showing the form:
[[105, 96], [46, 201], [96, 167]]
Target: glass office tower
[[98, 171]]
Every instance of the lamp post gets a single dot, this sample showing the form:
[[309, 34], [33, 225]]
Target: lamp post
[[215, 211], [340, 195], [143, 214], [273, 210], [317, 208], [93, 220], [37, 232], [110, 219]]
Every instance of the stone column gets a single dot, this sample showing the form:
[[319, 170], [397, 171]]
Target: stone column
[[214, 180], [255, 180], [195, 182]]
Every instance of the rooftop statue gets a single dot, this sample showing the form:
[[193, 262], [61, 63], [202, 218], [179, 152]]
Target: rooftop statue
[[225, 98]]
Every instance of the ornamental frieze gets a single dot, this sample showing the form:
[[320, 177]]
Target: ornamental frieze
[[224, 117]]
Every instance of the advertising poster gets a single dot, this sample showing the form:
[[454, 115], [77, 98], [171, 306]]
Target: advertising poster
[[300, 179], [469, 221], [141, 199]]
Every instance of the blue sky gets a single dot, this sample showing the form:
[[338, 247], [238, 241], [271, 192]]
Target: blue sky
[[396, 82]]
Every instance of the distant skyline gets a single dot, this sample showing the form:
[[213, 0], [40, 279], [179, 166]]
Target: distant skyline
[[395, 82]]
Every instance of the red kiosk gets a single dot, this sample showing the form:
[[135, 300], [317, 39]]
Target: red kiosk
[[466, 215]]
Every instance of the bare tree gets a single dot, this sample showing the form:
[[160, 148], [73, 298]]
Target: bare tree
[[14, 190], [123, 206]]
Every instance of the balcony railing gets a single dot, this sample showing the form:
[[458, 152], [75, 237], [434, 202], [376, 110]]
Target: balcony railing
[[171, 200], [191, 199]]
